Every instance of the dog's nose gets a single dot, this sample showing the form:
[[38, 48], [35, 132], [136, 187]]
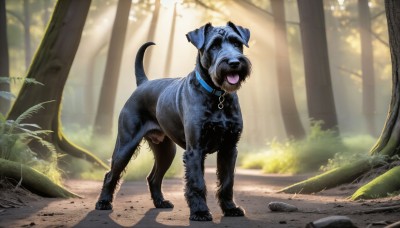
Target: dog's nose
[[234, 63]]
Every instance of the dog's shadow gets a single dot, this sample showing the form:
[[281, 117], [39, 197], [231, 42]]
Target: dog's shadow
[[97, 218]]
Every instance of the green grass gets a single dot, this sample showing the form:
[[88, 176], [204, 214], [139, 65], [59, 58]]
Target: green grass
[[319, 150], [137, 169]]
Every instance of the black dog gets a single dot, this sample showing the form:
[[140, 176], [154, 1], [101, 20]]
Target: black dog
[[200, 113]]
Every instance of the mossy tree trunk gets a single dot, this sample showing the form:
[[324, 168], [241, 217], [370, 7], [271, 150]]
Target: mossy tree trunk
[[33, 180], [51, 66], [387, 145], [389, 141]]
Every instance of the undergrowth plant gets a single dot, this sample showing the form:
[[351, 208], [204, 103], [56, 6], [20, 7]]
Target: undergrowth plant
[[321, 149], [15, 135], [137, 169]]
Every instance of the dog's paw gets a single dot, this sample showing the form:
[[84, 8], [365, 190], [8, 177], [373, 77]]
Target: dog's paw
[[103, 205], [201, 216], [234, 212], [163, 204]]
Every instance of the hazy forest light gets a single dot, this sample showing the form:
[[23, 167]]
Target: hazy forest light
[[170, 3], [339, 6]]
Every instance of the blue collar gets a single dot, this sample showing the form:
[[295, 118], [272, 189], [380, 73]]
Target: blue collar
[[207, 87]]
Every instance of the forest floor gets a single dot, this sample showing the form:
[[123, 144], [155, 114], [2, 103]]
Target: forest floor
[[253, 191]]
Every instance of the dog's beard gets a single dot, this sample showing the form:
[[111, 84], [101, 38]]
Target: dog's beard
[[227, 78]]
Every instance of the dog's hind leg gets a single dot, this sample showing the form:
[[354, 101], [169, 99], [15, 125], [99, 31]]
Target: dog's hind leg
[[130, 133], [164, 153]]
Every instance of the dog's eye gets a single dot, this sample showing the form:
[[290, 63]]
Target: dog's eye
[[216, 45], [236, 43]]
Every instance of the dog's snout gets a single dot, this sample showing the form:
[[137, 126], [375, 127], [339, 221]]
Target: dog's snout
[[234, 63]]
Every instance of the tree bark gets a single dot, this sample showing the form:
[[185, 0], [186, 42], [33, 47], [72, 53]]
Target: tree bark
[[4, 58], [105, 109], [51, 67], [320, 100], [152, 33], [290, 114], [331, 178], [171, 43], [27, 34], [380, 187], [367, 65], [389, 140], [33, 180]]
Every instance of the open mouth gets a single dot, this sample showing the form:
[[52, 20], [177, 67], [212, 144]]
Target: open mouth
[[232, 79]]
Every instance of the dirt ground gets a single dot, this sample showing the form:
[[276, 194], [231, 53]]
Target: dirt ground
[[253, 191]]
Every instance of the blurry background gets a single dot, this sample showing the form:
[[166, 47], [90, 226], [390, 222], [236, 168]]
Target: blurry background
[[265, 141]]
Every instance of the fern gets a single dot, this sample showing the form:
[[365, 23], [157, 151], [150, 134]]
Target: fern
[[7, 95], [27, 114], [12, 131], [8, 80]]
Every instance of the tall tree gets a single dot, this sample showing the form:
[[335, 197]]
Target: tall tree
[[4, 58], [367, 65], [27, 34], [389, 141], [51, 67], [320, 100], [171, 43], [105, 110], [152, 32], [290, 114], [387, 145]]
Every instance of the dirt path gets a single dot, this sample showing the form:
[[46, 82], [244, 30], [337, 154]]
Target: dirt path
[[253, 191]]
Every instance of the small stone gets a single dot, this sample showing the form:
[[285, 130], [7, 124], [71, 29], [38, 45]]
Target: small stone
[[332, 222], [282, 207]]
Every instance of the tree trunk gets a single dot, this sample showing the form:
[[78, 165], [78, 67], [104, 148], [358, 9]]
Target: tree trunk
[[51, 67], [171, 44], [332, 178], [105, 110], [367, 65], [290, 115], [389, 142], [27, 34], [320, 100], [380, 187], [33, 180], [152, 33], [4, 58]]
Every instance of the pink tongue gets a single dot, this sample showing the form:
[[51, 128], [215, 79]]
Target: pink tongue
[[233, 78]]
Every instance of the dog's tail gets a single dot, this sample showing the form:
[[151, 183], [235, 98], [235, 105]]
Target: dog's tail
[[139, 69]]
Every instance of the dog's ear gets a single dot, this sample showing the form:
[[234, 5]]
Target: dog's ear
[[197, 37], [244, 33]]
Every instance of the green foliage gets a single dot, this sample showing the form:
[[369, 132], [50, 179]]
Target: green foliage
[[138, 168], [8, 80], [357, 148], [15, 137], [320, 148]]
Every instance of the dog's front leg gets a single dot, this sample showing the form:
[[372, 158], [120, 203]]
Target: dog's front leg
[[195, 189], [226, 160]]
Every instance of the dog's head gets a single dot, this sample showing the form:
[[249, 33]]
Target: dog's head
[[221, 53]]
